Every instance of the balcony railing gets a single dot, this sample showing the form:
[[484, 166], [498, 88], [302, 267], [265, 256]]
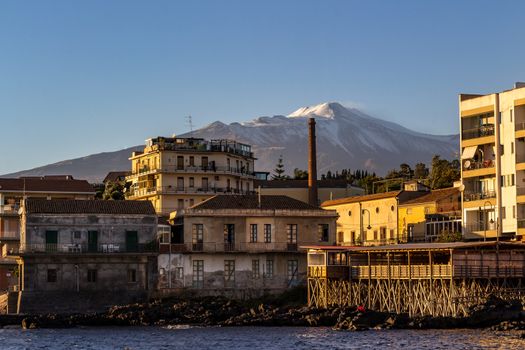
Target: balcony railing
[[473, 165], [469, 196], [481, 226], [184, 190], [195, 169], [482, 131], [212, 247], [9, 235], [76, 248]]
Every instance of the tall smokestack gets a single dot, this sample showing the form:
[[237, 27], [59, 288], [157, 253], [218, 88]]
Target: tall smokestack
[[312, 164]]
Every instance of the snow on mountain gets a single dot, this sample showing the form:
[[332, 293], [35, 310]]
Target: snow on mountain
[[346, 138]]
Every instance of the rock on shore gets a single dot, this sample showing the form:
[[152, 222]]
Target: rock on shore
[[219, 311]]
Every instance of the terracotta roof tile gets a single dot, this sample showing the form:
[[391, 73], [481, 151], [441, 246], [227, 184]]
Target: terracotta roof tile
[[434, 195], [64, 206], [355, 199], [252, 202], [300, 183], [46, 184]]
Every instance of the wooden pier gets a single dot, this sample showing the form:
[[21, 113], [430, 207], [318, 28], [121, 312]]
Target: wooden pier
[[438, 279]]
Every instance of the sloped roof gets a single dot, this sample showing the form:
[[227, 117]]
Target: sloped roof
[[434, 195], [64, 206], [113, 176], [252, 202], [64, 184], [365, 198]]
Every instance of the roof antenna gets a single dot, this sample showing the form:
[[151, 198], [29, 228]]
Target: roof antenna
[[190, 124]]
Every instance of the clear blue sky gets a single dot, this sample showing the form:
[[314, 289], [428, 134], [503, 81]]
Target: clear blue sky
[[81, 77]]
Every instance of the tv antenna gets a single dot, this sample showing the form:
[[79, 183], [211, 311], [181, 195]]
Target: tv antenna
[[190, 124]]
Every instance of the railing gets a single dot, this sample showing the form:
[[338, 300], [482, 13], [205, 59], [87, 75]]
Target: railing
[[474, 196], [195, 169], [211, 247], [481, 226], [401, 271], [330, 271], [482, 131], [465, 271], [75, 248], [473, 165], [9, 235], [184, 190], [11, 209]]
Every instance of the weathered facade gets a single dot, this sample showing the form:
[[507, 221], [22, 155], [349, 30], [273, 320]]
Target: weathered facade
[[244, 245], [12, 192], [71, 251]]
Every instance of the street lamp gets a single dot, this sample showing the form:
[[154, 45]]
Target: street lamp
[[486, 217]]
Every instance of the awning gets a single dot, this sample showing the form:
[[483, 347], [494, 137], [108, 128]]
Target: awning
[[468, 152]]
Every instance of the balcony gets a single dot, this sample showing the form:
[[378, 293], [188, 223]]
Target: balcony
[[193, 169], [469, 196], [141, 192], [474, 165], [84, 248], [245, 247], [482, 131], [9, 236]]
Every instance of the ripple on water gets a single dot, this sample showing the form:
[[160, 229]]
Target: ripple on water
[[135, 338]]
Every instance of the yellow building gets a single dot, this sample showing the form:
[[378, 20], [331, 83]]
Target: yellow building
[[176, 173], [298, 189], [493, 164], [422, 219], [372, 219]]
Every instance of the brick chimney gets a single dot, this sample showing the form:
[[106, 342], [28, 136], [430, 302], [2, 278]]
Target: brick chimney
[[312, 164]]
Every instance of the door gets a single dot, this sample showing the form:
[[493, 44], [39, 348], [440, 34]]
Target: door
[[132, 241], [92, 241], [51, 241]]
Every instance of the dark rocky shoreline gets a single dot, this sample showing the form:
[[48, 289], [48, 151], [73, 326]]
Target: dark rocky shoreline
[[218, 311]]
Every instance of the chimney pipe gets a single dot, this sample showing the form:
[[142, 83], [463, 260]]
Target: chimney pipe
[[312, 164]]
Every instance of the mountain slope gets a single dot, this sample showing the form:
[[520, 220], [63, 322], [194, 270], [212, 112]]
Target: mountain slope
[[346, 138]]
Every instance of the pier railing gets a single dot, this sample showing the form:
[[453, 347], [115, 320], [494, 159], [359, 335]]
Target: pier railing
[[401, 271]]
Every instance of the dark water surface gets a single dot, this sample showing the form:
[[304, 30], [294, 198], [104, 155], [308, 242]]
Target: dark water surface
[[253, 338]]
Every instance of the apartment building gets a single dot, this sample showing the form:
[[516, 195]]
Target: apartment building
[[177, 173], [85, 255], [244, 245], [493, 164], [12, 192]]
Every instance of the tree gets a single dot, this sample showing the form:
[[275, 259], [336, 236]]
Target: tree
[[447, 236], [114, 191], [299, 174], [421, 171], [279, 170], [443, 173], [406, 172]]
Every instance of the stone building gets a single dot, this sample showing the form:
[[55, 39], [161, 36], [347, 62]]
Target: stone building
[[77, 255], [244, 245], [12, 192]]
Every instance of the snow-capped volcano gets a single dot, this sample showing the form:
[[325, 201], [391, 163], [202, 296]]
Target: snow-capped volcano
[[346, 138]]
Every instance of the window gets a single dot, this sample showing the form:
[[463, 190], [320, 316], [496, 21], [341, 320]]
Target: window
[[255, 269], [340, 237], [382, 232], [192, 182], [377, 210], [352, 236], [205, 184], [77, 235], [392, 208], [291, 233], [192, 161], [514, 212], [375, 235], [292, 270], [198, 273], [92, 275], [512, 147], [268, 273], [51, 275], [197, 236], [229, 273], [204, 162], [132, 275], [180, 162], [503, 212], [349, 213], [253, 233], [180, 184], [391, 234], [180, 203], [322, 232], [267, 233]]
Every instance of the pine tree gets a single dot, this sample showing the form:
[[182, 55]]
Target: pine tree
[[279, 169]]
